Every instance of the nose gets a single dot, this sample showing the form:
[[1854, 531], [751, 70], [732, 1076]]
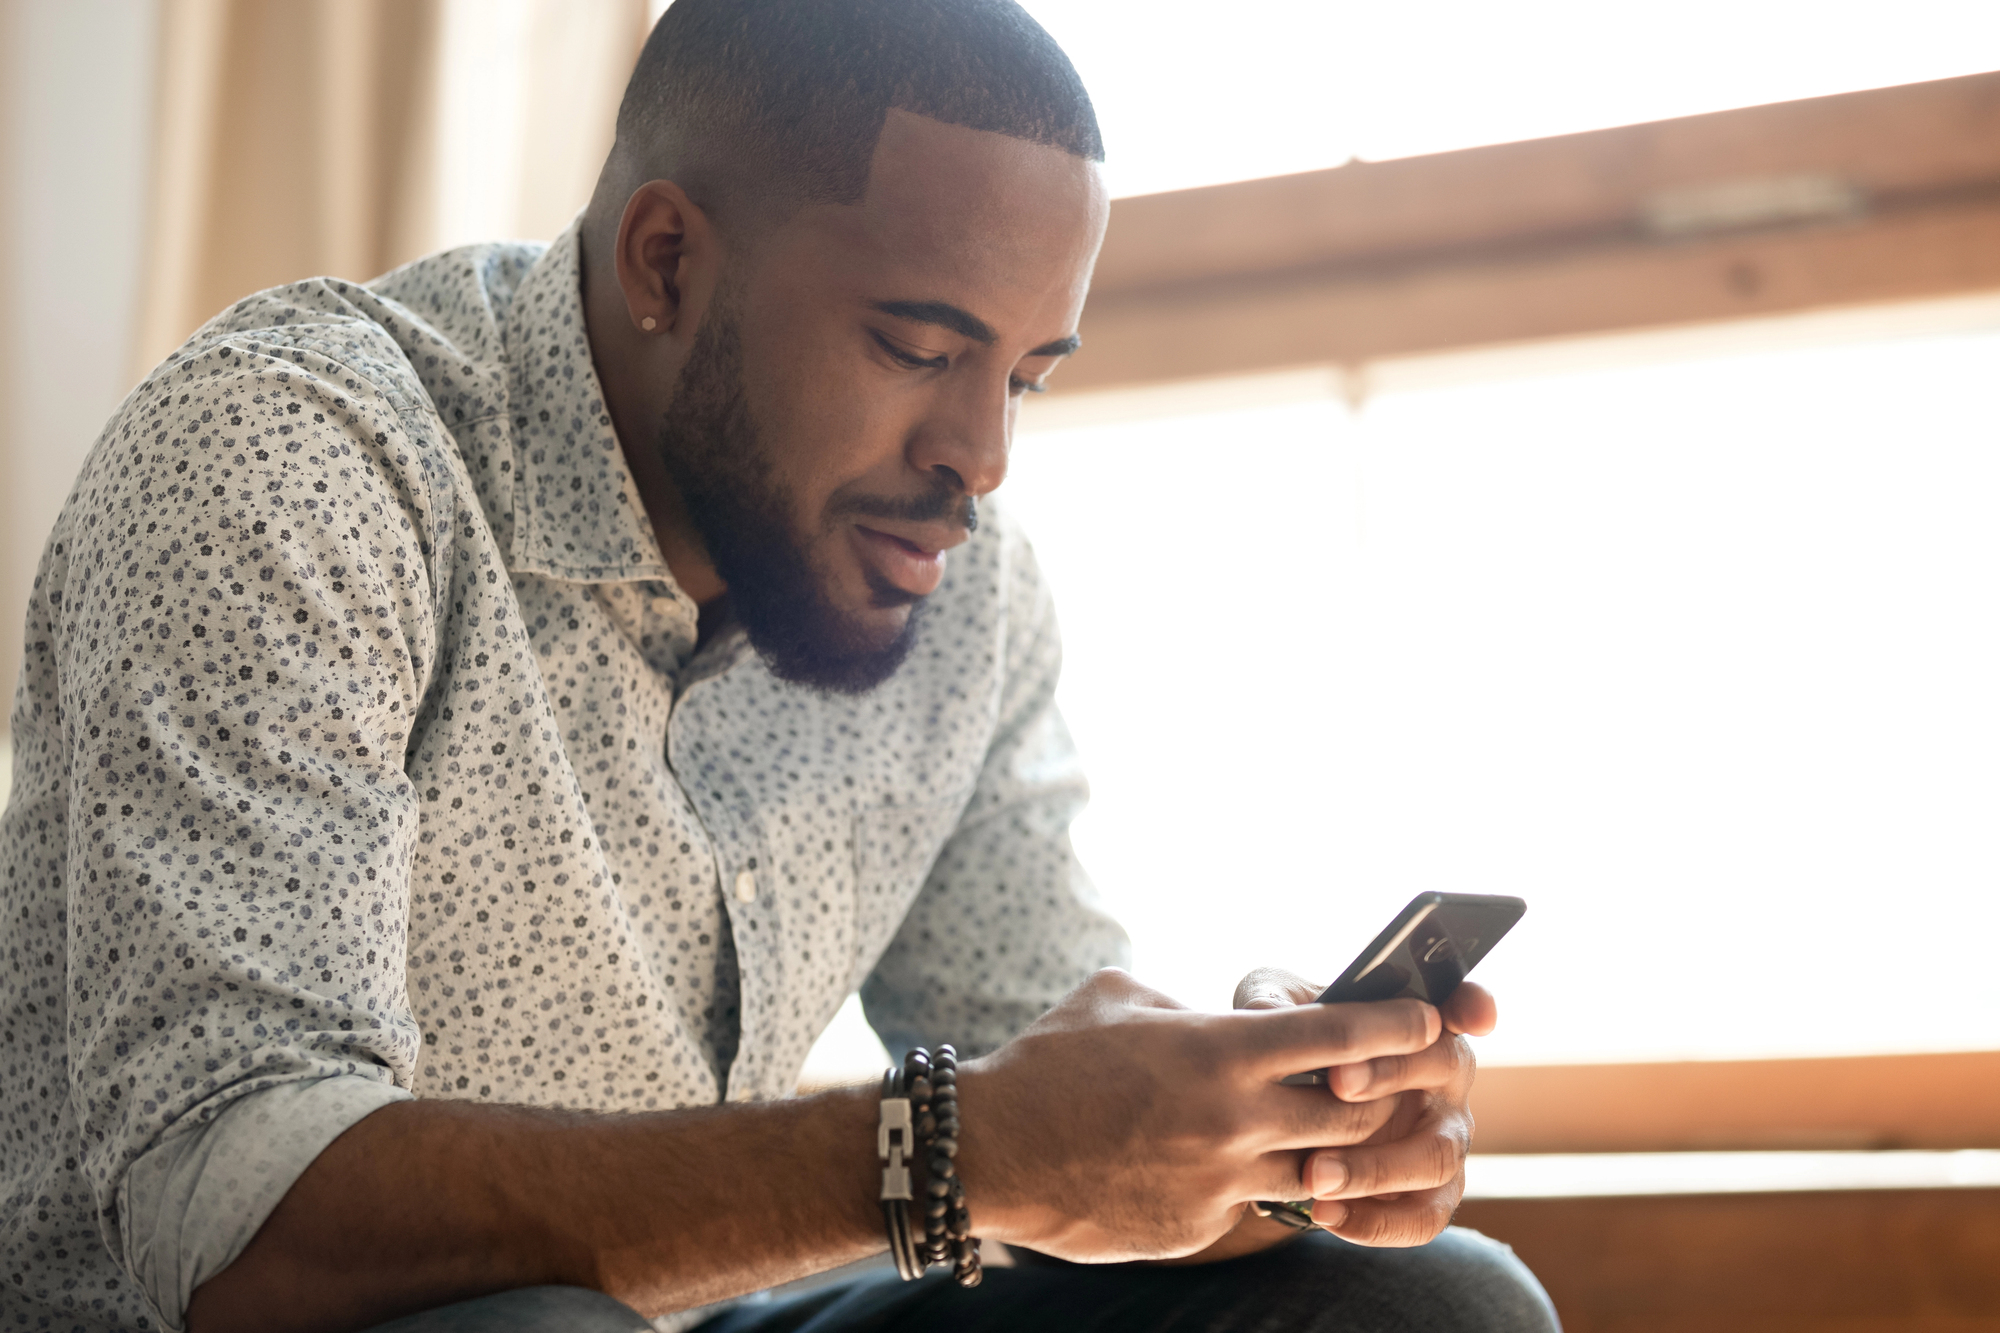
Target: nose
[[965, 440]]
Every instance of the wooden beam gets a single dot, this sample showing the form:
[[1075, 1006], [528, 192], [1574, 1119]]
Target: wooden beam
[[1865, 197], [1865, 1261], [1890, 1101]]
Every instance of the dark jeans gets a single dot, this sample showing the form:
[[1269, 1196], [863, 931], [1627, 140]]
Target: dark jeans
[[1459, 1283]]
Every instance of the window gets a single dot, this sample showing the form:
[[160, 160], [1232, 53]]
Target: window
[[1196, 95], [1699, 657]]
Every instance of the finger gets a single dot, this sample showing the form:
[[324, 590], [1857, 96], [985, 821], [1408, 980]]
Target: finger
[[1276, 1178], [1312, 1117], [1414, 1219], [1424, 1160], [1277, 1175], [1274, 988], [1471, 1009], [1440, 1065], [1314, 1036], [1284, 1175]]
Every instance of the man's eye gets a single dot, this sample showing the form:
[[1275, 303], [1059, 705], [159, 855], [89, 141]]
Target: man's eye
[[910, 359], [1021, 386]]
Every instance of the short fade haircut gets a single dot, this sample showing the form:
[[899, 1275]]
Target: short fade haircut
[[785, 99]]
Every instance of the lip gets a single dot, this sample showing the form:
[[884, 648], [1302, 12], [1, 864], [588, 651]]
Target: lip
[[912, 559]]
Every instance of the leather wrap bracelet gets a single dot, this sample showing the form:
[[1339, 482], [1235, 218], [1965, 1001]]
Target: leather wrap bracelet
[[893, 1145]]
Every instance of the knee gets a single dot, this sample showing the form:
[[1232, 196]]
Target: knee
[[527, 1310], [1462, 1282], [1479, 1285]]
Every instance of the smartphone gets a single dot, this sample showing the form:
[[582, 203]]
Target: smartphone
[[1424, 953], [1427, 950]]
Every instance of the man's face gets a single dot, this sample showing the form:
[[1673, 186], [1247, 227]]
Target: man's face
[[852, 390]]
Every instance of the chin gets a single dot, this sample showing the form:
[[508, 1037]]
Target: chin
[[873, 600], [840, 635], [847, 652], [881, 625]]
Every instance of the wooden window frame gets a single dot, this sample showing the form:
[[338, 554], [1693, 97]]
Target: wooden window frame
[[1935, 1101], [1890, 195]]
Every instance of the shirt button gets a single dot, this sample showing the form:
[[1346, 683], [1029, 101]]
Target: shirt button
[[662, 605], [746, 887]]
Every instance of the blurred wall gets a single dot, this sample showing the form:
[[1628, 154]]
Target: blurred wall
[[76, 89]]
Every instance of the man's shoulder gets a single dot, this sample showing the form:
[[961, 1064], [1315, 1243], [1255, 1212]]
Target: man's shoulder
[[428, 334], [348, 380], [453, 311], [466, 289], [424, 343]]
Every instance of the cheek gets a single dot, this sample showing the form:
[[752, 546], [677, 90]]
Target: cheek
[[824, 423]]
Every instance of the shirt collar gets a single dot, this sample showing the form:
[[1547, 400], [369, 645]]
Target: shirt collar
[[577, 513]]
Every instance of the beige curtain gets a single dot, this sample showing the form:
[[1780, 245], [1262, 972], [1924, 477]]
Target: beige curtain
[[295, 138]]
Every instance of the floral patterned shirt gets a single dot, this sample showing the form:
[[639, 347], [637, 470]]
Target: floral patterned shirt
[[364, 750]]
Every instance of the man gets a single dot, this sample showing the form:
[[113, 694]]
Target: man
[[478, 727]]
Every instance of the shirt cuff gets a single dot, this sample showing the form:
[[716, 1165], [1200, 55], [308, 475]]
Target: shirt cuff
[[194, 1200]]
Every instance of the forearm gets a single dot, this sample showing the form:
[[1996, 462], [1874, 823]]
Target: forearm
[[428, 1202]]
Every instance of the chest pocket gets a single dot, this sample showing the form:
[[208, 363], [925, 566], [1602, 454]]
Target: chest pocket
[[894, 849]]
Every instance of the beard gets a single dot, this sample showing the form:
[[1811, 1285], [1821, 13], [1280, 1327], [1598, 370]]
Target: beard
[[712, 451]]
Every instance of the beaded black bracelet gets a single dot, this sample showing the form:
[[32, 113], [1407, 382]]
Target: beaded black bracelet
[[933, 1087], [928, 1090]]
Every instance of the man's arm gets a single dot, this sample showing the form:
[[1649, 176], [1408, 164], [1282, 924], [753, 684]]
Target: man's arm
[[240, 605], [1176, 1119], [427, 1202]]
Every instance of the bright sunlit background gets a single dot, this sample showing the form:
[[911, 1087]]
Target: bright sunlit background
[[1698, 658]]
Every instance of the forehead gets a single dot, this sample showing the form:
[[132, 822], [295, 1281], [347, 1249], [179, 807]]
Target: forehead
[[1001, 227]]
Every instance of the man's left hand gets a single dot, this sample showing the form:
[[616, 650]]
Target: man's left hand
[[1401, 1185]]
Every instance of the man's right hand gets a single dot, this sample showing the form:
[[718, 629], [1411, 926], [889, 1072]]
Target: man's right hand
[[1124, 1126]]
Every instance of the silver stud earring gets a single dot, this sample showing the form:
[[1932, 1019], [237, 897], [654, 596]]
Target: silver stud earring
[[648, 323]]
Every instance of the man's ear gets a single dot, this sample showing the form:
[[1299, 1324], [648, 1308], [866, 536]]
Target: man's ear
[[668, 261]]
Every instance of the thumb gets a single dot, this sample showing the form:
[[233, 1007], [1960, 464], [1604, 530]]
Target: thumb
[[1274, 988]]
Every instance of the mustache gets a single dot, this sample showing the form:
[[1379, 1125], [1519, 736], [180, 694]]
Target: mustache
[[942, 503]]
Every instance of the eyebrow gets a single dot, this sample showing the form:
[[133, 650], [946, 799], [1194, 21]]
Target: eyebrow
[[944, 315]]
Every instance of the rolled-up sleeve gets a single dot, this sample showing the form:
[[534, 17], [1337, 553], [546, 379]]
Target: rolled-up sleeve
[[193, 1200], [244, 626], [1007, 921]]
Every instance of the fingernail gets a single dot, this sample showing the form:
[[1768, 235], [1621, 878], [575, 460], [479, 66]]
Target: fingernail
[[1327, 1175], [1350, 1081]]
